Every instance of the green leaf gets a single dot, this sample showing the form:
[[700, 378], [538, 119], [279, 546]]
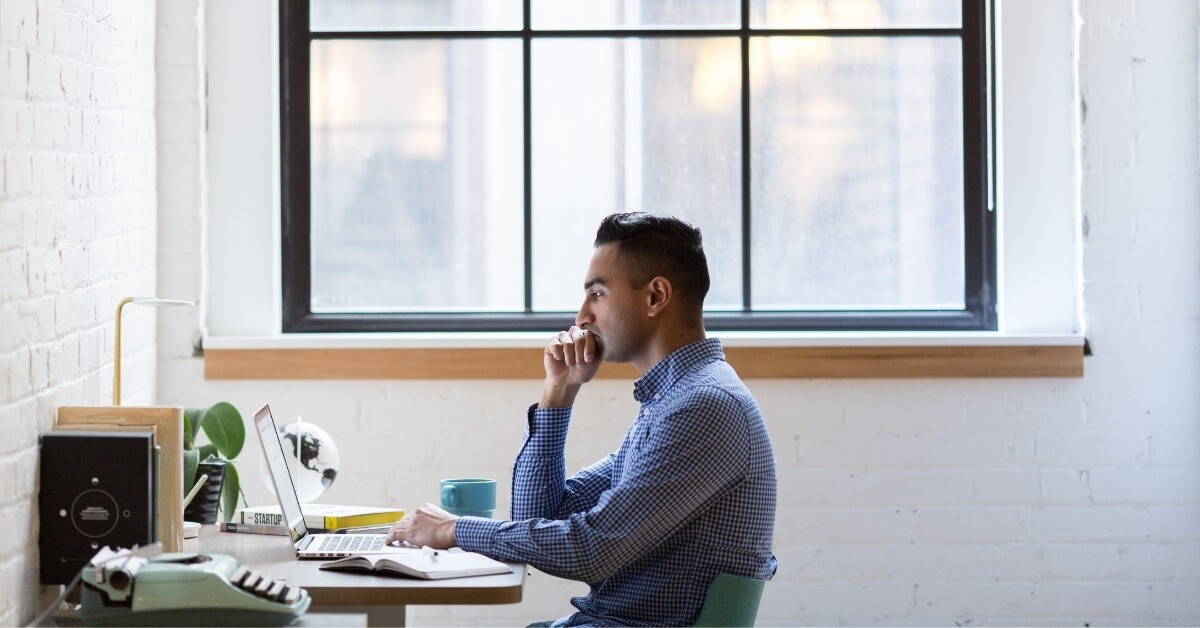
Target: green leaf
[[189, 441], [206, 451], [223, 425], [229, 492], [191, 462], [191, 423]]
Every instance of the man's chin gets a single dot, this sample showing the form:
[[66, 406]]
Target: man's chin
[[614, 357], [600, 347]]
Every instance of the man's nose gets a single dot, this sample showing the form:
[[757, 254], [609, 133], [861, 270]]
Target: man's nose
[[584, 316]]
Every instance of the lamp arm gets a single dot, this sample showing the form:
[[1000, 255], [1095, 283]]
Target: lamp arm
[[117, 353]]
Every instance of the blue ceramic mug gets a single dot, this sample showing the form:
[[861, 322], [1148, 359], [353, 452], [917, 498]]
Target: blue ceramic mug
[[469, 497]]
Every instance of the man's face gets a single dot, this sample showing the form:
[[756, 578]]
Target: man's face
[[612, 310]]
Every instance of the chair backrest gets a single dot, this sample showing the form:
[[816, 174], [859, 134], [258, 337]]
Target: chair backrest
[[732, 601]]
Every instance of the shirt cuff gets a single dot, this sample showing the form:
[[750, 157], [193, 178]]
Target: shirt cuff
[[546, 430], [475, 534]]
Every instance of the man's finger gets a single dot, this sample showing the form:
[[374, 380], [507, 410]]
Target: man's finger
[[585, 345], [576, 348], [589, 346], [556, 347], [567, 341]]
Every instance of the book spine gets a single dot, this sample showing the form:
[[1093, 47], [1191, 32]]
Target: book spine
[[250, 528], [358, 521], [259, 518]]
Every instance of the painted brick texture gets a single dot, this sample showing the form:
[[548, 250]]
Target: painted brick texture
[[77, 233]]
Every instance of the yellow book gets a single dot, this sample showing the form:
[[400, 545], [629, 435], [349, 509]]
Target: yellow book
[[328, 517]]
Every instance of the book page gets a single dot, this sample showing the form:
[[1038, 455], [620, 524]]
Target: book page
[[446, 563], [424, 564]]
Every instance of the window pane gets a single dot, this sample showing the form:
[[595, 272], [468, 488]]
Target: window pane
[[857, 172], [404, 15], [599, 14], [854, 13], [416, 175], [634, 124]]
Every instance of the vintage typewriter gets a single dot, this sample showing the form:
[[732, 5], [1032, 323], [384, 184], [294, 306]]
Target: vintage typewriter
[[124, 588]]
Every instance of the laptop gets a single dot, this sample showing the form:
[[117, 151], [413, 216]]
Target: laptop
[[307, 545]]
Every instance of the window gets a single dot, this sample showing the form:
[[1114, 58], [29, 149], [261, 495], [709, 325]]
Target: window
[[445, 162]]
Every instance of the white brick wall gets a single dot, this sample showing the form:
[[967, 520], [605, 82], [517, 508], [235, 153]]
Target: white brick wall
[[77, 233]]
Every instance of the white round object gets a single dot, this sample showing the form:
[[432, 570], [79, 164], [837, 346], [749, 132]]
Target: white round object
[[312, 458]]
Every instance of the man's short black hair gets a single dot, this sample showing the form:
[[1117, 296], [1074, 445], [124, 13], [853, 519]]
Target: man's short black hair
[[652, 245]]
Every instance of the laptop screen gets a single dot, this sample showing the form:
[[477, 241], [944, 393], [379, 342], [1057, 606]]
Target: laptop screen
[[281, 476]]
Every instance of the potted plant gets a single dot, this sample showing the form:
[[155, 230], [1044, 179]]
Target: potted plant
[[226, 432]]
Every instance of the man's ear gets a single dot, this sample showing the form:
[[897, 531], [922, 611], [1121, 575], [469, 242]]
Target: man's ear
[[659, 293]]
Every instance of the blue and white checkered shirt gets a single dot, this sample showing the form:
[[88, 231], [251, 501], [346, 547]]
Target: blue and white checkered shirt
[[690, 494]]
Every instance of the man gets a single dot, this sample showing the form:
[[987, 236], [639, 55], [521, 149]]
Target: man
[[691, 491]]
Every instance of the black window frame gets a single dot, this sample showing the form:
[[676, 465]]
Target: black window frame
[[980, 247]]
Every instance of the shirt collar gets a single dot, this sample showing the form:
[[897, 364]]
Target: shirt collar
[[663, 375]]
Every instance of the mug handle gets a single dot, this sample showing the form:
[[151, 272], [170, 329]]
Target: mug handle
[[450, 496]]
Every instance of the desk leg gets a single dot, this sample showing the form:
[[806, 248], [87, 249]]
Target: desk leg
[[382, 615]]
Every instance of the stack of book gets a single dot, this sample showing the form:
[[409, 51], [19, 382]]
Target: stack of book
[[317, 517]]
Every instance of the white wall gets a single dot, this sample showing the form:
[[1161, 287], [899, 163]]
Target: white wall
[[1025, 501], [77, 234]]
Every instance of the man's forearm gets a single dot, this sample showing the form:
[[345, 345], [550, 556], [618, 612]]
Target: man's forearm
[[540, 486], [558, 396], [539, 471]]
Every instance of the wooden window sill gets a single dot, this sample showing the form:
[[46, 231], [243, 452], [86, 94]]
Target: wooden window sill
[[364, 358]]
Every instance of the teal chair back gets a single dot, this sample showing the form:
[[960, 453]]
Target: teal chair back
[[732, 601]]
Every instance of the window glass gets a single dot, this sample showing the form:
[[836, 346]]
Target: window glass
[[857, 169], [601, 14], [401, 15], [854, 13], [634, 125], [417, 195], [832, 155]]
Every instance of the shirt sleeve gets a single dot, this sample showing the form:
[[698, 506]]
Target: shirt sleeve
[[688, 458], [539, 488]]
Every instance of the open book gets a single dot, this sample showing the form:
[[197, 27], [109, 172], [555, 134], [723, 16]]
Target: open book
[[426, 564]]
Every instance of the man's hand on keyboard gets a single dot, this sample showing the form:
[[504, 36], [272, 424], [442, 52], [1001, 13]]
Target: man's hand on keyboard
[[426, 526]]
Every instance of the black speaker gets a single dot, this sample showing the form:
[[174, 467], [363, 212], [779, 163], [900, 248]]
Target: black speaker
[[97, 489]]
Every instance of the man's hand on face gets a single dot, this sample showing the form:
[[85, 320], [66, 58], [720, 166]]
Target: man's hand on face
[[428, 525], [572, 358]]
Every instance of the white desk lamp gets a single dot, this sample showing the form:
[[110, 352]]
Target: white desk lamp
[[149, 302]]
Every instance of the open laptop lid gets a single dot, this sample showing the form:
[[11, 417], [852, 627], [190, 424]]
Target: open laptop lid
[[281, 476]]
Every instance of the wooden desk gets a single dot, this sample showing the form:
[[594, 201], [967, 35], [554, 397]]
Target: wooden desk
[[382, 598], [309, 620]]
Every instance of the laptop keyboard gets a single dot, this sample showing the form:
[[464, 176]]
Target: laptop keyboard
[[352, 543]]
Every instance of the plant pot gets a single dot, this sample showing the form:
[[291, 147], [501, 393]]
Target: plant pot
[[204, 506]]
